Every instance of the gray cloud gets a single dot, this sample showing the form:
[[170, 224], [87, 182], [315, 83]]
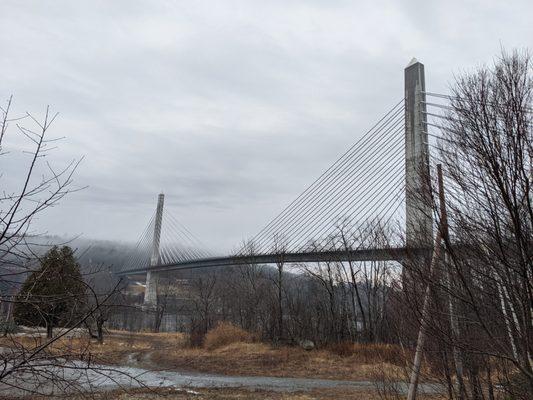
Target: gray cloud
[[229, 107]]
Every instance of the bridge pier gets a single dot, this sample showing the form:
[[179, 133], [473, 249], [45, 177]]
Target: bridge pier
[[419, 212], [152, 277]]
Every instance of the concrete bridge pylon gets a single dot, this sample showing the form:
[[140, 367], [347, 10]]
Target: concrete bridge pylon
[[418, 204], [150, 293]]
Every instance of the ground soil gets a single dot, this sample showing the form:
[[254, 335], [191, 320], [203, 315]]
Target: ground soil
[[232, 394], [170, 351]]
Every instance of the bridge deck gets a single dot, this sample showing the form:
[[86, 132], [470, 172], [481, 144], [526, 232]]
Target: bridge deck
[[387, 254]]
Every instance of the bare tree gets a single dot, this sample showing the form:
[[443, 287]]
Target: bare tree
[[164, 293], [279, 248], [36, 366], [481, 292], [39, 186], [104, 296], [204, 301]]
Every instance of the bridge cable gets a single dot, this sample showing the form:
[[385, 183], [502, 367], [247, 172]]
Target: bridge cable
[[338, 178], [331, 195], [334, 173], [135, 256], [339, 163], [349, 211], [200, 245], [327, 210], [349, 168]]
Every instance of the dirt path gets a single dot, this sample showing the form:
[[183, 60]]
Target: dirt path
[[76, 377]]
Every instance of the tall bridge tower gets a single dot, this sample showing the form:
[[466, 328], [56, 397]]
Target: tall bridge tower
[[418, 215], [150, 293]]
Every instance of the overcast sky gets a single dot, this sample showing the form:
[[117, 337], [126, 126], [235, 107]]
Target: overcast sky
[[229, 107]]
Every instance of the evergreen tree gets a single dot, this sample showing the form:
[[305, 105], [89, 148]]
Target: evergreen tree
[[54, 294]]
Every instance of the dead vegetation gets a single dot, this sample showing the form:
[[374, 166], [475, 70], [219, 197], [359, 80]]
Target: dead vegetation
[[225, 334], [284, 361], [117, 347], [232, 394], [232, 351]]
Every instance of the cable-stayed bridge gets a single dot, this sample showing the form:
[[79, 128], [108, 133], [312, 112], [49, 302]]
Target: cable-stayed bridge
[[381, 181]]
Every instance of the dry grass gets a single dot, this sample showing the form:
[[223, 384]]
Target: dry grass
[[117, 348], [224, 355], [373, 362], [225, 333], [231, 394], [283, 361]]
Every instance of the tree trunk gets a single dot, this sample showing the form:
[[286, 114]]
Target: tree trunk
[[100, 331], [49, 330], [280, 304]]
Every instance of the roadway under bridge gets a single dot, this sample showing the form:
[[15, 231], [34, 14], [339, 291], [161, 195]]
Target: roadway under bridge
[[399, 254]]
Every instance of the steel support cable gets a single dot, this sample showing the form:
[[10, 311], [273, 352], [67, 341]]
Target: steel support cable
[[328, 225], [326, 193], [449, 97], [192, 242], [438, 116], [183, 252], [330, 207], [149, 244], [326, 201], [190, 237], [176, 256], [441, 128], [163, 255], [385, 187], [133, 258], [435, 153], [358, 236], [187, 246], [329, 179], [355, 185], [329, 189], [447, 129], [363, 176], [366, 204], [333, 168], [173, 239], [388, 206], [439, 137], [398, 189], [143, 236], [144, 255], [437, 105], [400, 202], [164, 250], [350, 210], [200, 245], [337, 164], [177, 252], [320, 225]]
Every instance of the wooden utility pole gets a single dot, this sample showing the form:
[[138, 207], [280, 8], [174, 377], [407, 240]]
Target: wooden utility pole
[[454, 322]]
